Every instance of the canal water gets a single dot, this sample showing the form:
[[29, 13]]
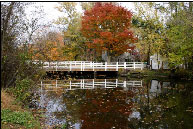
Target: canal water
[[129, 104]]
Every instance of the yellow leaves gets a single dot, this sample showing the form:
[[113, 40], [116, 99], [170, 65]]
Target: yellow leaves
[[87, 5], [49, 49], [66, 6]]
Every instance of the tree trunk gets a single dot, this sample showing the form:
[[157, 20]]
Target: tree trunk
[[109, 59], [157, 60], [176, 8], [148, 56], [108, 56], [6, 23], [190, 6]]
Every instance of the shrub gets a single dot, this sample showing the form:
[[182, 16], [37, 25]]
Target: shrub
[[22, 90], [22, 118]]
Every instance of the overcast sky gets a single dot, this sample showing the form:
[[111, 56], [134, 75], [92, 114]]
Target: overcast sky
[[52, 13]]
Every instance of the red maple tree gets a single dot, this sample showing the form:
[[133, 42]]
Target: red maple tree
[[107, 28]]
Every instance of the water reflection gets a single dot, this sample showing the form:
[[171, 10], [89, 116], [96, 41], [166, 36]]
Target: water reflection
[[153, 104], [88, 84]]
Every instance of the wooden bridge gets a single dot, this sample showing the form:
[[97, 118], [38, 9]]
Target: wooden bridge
[[91, 66], [88, 84]]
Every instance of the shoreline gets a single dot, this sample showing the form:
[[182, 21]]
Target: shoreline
[[180, 74]]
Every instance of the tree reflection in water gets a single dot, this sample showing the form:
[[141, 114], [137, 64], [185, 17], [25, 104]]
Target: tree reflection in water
[[170, 106], [101, 108], [156, 105]]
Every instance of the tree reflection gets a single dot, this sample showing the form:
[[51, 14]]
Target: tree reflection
[[171, 109], [100, 108], [156, 105]]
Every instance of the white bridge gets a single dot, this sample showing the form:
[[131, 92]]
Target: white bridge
[[88, 84], [90, 66]]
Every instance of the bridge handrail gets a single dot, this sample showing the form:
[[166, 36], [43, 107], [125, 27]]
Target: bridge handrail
[[92, 65]]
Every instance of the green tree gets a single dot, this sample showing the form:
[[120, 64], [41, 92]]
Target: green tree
[[149, 27], [179, 35], [71, 24]]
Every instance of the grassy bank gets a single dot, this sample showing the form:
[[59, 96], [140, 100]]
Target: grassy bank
[[14, 116], [178, 74], [148, 73], [155, 73]]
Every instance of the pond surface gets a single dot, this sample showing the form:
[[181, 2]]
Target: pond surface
[[119, 104]]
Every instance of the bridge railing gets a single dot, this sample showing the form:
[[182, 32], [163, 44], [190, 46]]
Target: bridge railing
[[86, 65], [89, 84]]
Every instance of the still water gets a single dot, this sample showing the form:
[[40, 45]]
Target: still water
[[116, 104]]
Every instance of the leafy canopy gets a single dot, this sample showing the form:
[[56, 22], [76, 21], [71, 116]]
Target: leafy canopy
[[107, 28]]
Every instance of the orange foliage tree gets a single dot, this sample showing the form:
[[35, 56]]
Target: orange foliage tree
[[49, 48], [107, 28]]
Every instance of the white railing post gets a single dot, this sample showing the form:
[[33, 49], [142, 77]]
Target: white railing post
[[117, 66], [70, 85], [93, 65], [105, 83], [141, 65], [124, 65], [116, 82], [134, 65], [105, 66], [124, 83]]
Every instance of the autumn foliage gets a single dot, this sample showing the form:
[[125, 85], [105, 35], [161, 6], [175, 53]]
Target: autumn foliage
[[49, 48], [107, 28]]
